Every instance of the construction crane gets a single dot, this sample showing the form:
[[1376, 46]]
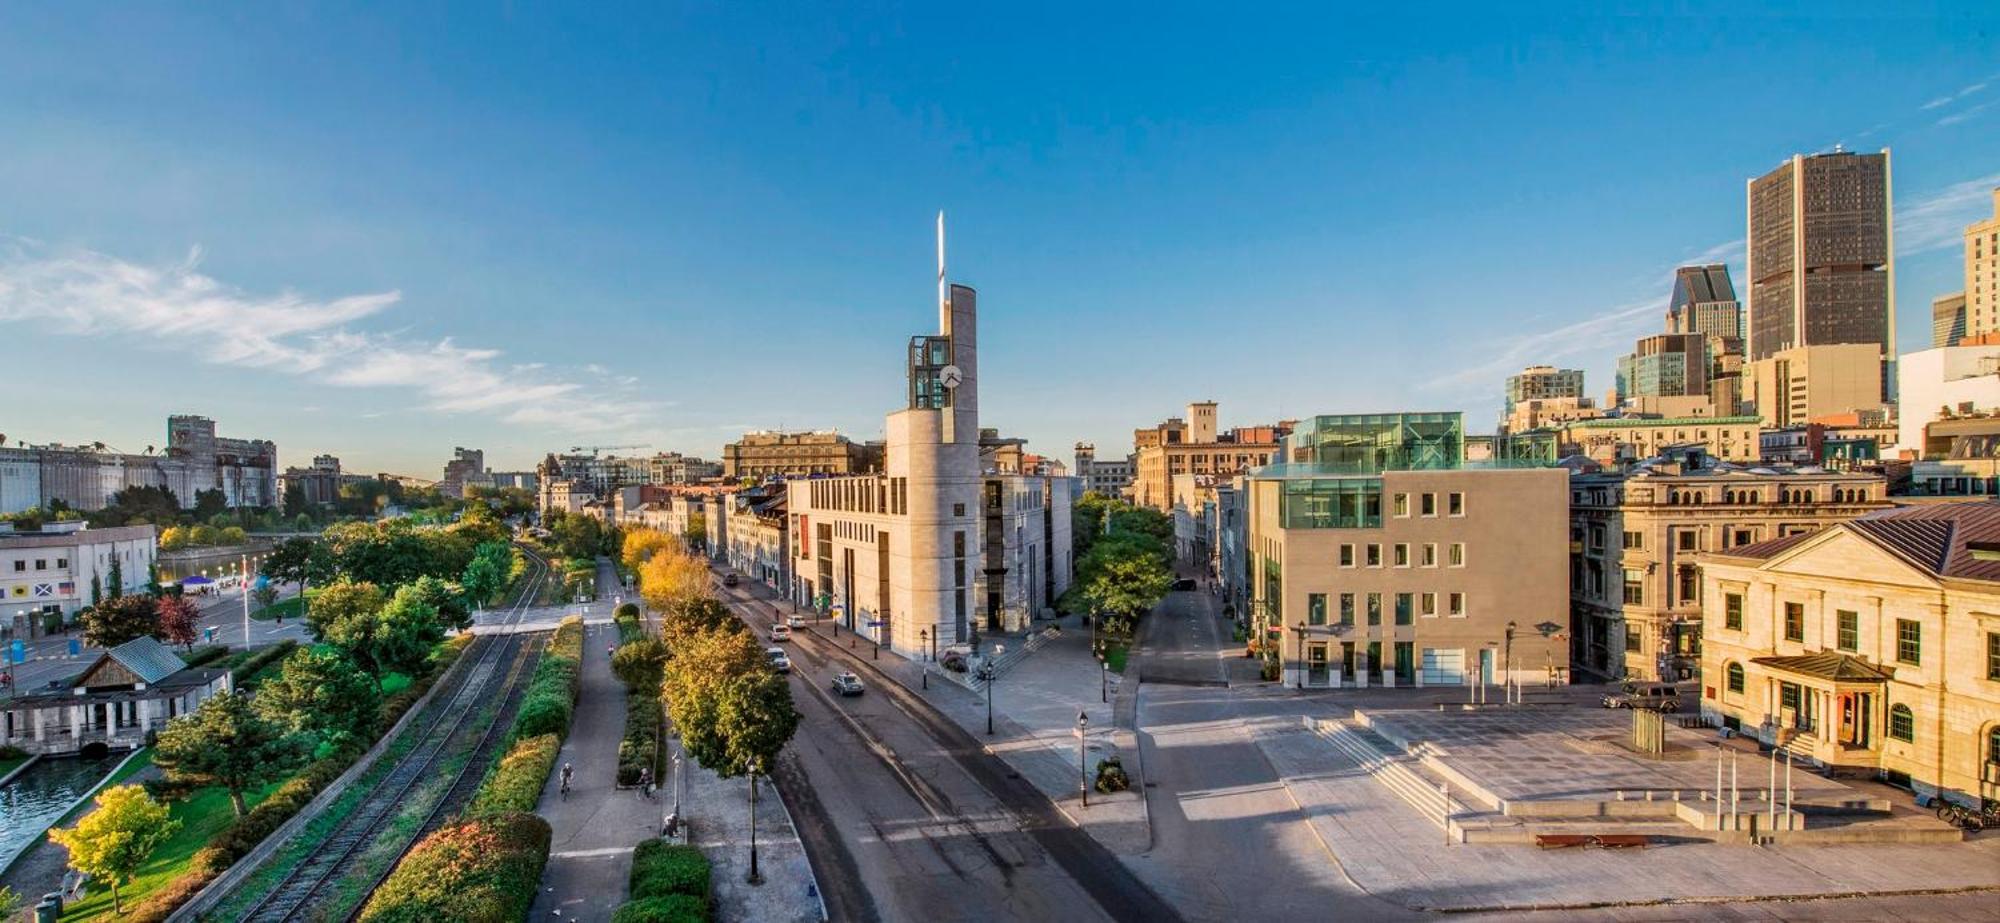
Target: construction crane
[[594, 449]]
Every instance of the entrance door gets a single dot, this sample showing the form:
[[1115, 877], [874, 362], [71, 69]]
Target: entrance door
[[1347, 662], [1444, 667], [1486, 666], [1316, 672]]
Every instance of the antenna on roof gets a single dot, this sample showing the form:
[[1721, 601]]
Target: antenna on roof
[[942, 295]]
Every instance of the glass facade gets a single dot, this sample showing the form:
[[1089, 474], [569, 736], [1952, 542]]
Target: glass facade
[[1331, 503], [1369, 443]]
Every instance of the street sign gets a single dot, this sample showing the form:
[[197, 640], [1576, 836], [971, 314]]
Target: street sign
[[876, 623], [18, 651]]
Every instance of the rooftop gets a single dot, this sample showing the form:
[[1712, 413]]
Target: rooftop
[[1954, 540]]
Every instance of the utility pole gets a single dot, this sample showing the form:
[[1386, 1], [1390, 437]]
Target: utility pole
[[246, 602]]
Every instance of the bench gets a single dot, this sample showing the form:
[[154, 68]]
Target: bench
[[1561, 840], [1621, 840]]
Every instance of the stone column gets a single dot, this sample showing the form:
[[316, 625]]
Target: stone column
[[40, 732], [145, 716]]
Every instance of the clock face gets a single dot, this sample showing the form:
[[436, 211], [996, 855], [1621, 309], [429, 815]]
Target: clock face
[[950, 376]]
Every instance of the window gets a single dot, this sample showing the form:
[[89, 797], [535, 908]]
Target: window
[[1631, 640], [62, 562], [1374, 608], [1455, 555], [1596, 537], [1687, 540], [1735, 677], [1427, 605], [1634, 540], [1429, 556], [1454, 504], [1347, 608], [1732, 611], [1909, 642], [1847, 630], [1902, 724], [958, 509], [1315, 608], [1402, 555], [1347, 555], [1455, 604], [1374, 555], [41, 563], [1993, 745], [1430, 504], [1635, 587], [1401, 505], [1795, 621], [1690, 588], [1993, 660], [1403, 601], [1744, 537]]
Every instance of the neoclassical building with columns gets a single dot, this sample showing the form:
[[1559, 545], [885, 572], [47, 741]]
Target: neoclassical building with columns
[[1871, 646], [111, 705]]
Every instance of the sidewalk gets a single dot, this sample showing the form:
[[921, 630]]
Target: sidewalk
[[1035, 706]]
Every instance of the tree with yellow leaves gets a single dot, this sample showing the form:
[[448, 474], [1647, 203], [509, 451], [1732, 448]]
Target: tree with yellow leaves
[[111, 842], [642, 544], [671, 579]]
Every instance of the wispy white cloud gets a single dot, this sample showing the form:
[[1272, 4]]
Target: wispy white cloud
[[85, 293], [1938, 220], [1950, 98], [1964, 114]]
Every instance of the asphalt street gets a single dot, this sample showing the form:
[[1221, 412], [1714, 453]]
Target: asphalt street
[[49, 660]]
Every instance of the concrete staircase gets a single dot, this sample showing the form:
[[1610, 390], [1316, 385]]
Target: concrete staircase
[[1005, 662], [1371, 752]]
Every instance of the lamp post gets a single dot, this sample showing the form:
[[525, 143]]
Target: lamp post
[[1082, 775], [986, 674], [755, 876], [924, 639], [1103, 680], [1299, 632], [1507, 664]]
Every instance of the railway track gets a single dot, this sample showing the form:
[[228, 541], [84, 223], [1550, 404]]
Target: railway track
[[305, 887]]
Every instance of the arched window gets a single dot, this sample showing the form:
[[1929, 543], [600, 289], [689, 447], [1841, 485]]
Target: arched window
[[1993, 745], [1735, 672], [1902, 724]]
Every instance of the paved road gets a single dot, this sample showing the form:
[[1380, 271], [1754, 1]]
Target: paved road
[[223, 612], [919, 814]]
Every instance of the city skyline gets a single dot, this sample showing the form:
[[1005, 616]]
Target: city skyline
[[454, 255]]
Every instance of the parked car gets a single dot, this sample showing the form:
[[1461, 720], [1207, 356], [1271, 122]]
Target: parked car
[[1185, 583], [1653, 696], [730, 580], [795, 620], [847, 684], [781, 633], [780, 661]]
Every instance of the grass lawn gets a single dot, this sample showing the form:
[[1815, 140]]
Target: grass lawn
[[11, 763], [202, 815], [293, 608], [1115, 656]]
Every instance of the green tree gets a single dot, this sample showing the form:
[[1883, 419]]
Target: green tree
[[640, 664], [232, 535], [96, 590], [703, 665], [448, 600], [135, 505], [299, 560], [1124, 576], [111, 842], [397, 636], [225, 742], [266, 596], [340, 601], [321, 694], [295, 500], [114, 582], [120, 619], [210, 503], [697, 531], [153, 578], [486, 575], [756, 719], [204, 535]]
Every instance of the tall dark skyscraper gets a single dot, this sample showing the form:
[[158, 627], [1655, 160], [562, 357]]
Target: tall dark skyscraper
[[1821, 268]]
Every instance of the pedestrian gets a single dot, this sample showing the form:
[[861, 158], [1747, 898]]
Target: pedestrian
[[646, 782]]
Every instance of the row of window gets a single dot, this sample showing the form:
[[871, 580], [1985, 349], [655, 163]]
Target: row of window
[[1399, 555], [1427, 504], [1407, 606], [21, 564], [1847, 632], [863, 495]]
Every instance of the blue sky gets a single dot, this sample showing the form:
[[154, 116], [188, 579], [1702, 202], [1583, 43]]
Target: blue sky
[[384, 232]]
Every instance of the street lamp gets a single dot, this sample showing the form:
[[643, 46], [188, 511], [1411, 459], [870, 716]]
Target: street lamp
[[1103, 680], [1299, 631], [1082, 775], [986, 675], [1507, 663], [924, 639]]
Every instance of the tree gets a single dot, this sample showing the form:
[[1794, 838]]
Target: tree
[[756, 719], [210, 503], [640, 664], [702, 665], [153, 578], [642, 544], [179, 620], [111, 842], [135, 505], [96, 590], [114, 583], [225, 742], [120, 619], [295, 500], [321, 694], [397, 636], [671, 579], [204, 535], [339, 601], [1123, 577], [697, 531], [266, 596], [173, 538], [704, 613], [447, 600], [301, 561], [232, 535], [486, 575]]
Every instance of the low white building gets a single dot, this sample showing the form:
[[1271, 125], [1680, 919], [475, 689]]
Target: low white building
[[114, 704], [1947, 381], [52, 570]]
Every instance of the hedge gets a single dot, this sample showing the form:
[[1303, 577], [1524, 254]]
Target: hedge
[[660, 868], [641, 747], [261, 659], [674, 908], [516, 783], [482, 870], [550, 700], [205, 655], [236, 840]]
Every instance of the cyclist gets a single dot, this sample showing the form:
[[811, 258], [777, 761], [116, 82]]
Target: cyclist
[[567, 771]]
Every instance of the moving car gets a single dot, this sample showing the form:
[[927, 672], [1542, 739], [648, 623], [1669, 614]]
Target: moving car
[[1185, 583], [781, 633], [795, 620], [847, 684], [730, 580], [1654, 696], [780, 661]]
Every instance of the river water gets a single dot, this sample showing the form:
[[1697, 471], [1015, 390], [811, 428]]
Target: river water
[[35, 799]]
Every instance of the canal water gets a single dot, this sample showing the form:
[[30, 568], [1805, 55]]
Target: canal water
[[38, 797]]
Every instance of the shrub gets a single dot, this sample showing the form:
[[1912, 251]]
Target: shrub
[[674, 908], [515, 785], [660, 868], [1111, 775], [641, 747], [258, 661], [205, 655], [483, 870], [550, 700]]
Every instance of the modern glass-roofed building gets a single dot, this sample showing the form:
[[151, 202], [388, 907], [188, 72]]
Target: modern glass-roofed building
[[1376, 556]]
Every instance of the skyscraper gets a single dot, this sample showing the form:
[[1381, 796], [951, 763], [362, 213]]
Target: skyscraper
[[1821, 263], [1982, 274], [1705, 302]]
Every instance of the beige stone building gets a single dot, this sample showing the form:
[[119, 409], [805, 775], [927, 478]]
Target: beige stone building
[[1980, 301], [1548, 413], [1608, 439], [1800, 384], [1194, 446], [768, 453], [1636, 539], [1376, 558], [1872, 646]]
